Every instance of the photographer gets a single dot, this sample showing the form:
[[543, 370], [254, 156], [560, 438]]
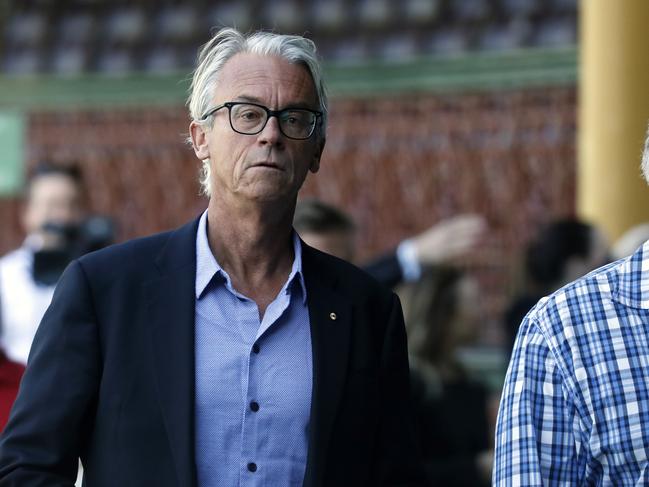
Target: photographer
[[53, 219]]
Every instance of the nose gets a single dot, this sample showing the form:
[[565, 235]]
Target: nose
[[271, 134]]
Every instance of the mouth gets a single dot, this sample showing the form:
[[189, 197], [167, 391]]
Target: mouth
[[267, 165]]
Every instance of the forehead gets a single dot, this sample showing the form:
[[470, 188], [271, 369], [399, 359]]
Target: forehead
[[267, 79], [53, 183]]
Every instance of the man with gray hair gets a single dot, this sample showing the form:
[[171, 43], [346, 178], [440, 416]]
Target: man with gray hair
[[226, 352], [575, 407]]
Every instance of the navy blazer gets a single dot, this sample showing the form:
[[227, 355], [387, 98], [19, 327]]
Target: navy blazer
[[110, 377]]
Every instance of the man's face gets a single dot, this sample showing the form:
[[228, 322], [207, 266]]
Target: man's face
[[53, 198], [268, 165]]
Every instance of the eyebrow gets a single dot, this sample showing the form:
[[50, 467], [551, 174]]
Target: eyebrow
[[254, 99]]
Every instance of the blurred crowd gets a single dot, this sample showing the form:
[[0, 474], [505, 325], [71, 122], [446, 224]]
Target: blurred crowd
[[457, 378], [57, 229], [453, 409]]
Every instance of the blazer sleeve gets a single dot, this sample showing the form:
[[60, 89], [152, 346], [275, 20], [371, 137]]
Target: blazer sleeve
[[399, 461], [386, 269], [51, 417]]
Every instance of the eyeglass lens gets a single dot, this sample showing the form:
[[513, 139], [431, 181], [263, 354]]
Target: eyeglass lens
[[251, 119]]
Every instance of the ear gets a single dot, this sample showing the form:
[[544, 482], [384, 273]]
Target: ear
[[315, 163], [199, 140]]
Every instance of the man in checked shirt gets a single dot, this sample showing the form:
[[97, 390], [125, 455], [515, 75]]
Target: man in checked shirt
[[575, 407]]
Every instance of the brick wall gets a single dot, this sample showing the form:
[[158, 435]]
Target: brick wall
[[397, 164]]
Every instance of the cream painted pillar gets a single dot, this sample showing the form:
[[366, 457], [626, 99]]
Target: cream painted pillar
[[613, 113]]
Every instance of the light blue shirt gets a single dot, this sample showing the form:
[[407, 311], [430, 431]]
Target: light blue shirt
[[253, 379]]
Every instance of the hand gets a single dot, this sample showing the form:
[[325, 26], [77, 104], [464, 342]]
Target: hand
[[449, 238]]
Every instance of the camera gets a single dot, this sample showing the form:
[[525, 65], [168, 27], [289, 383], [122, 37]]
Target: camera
[[74, 240]]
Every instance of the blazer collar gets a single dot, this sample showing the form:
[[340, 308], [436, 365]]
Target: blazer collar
[[171, 307]]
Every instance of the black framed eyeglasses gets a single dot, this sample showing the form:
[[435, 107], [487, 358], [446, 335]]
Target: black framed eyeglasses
[[251, 118]]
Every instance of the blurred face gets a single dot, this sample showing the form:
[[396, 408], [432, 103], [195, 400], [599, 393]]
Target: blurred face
[[266, 166], [53, 198], [340, 244]]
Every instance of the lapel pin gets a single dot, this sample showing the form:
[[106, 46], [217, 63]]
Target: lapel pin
[[333, 316]]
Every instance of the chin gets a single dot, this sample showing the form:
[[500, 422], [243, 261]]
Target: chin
[[269, 196], [271, 191]]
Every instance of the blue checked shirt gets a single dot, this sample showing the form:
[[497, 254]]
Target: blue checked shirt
[[575, 407]]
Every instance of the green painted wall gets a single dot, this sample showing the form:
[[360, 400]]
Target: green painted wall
[[12, 146], [481, 71]]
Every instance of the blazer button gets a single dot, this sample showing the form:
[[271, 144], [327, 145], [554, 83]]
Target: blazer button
[[252, 467]]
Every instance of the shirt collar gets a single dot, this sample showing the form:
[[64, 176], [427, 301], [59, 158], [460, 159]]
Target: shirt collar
[[633, 280], [207, 266]]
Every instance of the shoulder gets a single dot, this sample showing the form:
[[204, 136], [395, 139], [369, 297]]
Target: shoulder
[[173, 249], [347, 278], [16, 257], [579, 324], [582, 306], [126, 254]]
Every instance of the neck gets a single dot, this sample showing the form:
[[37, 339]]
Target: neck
[[252, 243]]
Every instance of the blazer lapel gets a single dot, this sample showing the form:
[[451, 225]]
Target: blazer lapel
[[171, 301], [330, 315]]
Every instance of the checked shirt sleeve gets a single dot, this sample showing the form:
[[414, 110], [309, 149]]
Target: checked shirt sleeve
[[535, 444]]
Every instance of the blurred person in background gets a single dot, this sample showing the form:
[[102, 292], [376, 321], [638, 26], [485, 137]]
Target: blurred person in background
[[563, 251], [451, 410], [10, 375], [329, 229], [575, 406], [326, 228], [53, 206], [224, 352]]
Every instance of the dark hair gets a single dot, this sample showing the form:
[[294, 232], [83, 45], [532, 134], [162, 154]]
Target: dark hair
[[47, 169], [312, 215], [432, 307], [546, 256]]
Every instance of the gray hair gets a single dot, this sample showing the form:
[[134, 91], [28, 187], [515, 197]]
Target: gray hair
[[645, 158], [228, 42]]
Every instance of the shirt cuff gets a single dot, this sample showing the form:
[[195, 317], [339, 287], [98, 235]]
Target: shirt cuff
[[407, 257]]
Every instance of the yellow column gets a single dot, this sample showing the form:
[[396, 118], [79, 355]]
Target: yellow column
[[613, 113]]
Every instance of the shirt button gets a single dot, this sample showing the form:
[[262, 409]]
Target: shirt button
[[254, 405], [252, 467], [255, 348]]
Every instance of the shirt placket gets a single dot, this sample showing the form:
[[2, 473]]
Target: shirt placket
[[249, 466], [251, 469]]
